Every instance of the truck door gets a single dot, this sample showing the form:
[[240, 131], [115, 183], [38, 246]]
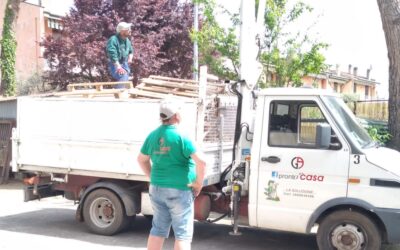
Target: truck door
[[295, 176]]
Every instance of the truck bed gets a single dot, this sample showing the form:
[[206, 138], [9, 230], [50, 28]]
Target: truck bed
[[98, 137]]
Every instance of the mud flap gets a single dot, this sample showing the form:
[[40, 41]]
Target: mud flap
[[40, 191]]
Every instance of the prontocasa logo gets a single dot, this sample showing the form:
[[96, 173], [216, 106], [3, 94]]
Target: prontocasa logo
[[300, 176], [297, 162]]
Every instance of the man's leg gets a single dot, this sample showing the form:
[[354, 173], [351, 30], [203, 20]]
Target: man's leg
[[161, 222], [182, 214], [182, 245], [155, 242]]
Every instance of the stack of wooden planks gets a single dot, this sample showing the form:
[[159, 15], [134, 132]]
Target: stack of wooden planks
[[178, 87], [158, 87]]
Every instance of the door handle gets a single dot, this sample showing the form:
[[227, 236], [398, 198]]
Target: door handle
[[271, 159]]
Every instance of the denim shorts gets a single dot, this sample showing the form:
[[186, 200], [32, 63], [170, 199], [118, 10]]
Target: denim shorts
[[172, 207], [117, 77]]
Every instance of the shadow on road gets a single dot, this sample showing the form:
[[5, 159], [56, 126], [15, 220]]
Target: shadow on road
[[60, 223]]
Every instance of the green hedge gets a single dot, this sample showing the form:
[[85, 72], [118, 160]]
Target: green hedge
[[8, 51]]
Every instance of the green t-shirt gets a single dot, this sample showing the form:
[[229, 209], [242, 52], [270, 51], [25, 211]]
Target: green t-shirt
[[118, 49], [169, 151]]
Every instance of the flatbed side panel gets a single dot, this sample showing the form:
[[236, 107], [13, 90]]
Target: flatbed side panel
[[98, 137], [90, 135]]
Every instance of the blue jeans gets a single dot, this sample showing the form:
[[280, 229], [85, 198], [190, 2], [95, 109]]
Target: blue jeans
[[117, 77], [172, 207]]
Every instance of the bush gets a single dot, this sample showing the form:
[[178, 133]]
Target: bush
[[379, 133], [33, 85]]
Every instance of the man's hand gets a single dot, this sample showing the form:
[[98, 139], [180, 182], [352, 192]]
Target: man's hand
[[196, 187], [121, 71]]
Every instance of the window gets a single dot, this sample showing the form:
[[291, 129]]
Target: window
[[348, 122], [335, 87], [310, 116], [354, 88], [294, 123], [366, 92]]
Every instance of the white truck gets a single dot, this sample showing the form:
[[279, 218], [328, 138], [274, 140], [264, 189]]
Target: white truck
[[306, 164], [288, 159]]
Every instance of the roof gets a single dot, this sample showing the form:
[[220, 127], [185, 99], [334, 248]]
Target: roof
[[296, 92]]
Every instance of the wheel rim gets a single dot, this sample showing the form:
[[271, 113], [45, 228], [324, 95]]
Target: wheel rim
[[102, 212], [348, 237]]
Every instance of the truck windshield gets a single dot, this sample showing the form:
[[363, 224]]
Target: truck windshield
[[348, 122]]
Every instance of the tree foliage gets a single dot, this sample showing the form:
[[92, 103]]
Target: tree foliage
[[285, 57], [160, 37], [288, 56], [218, 47], [8, 45]]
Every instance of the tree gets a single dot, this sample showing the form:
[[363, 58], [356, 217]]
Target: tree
[[160, 35], [8, 49], [286, 56], [218, 47], [390, 15]]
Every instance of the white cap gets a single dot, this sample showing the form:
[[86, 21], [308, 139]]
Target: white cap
[[168, 108], [123, 26]]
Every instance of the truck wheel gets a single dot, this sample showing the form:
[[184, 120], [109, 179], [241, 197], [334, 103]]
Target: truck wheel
[[104, 213], [348, 230]]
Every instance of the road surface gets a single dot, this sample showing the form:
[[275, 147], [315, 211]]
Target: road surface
[[50, 224]]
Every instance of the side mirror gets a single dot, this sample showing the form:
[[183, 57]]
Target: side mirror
[[323, 137]]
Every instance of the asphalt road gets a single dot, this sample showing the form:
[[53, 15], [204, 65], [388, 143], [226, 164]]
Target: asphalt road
[[50, 224]]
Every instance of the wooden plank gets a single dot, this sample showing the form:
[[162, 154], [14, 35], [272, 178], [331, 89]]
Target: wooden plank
[[88, 92], [149, 81], [138, 92], [178, 86], [210, 82], [173, 79], [164, 90], [98, 85]]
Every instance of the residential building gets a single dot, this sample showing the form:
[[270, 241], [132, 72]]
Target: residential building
[[349, 82], [35, 21]]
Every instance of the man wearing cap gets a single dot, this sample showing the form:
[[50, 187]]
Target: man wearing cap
[[176, 177], [120, 53]]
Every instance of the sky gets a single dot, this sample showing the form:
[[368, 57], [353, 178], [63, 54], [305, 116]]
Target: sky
[[352, 28]]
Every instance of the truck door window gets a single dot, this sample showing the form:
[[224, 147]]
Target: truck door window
[[294, 123], [310, 116]]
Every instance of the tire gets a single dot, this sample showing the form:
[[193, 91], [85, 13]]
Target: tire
[[104, 213], [348, 230]]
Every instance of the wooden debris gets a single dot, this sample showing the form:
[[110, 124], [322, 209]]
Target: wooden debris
[[151, 94], [151, 87], [98, 85]]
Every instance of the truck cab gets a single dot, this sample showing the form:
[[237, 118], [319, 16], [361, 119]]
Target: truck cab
[[313, 167]]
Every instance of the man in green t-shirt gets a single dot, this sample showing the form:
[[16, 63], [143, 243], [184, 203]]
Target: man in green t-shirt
[[176, 177], [120, 53]]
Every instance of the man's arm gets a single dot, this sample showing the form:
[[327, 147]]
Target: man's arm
[[112, 51], [200, 172], [130, 56], [144, 162]]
